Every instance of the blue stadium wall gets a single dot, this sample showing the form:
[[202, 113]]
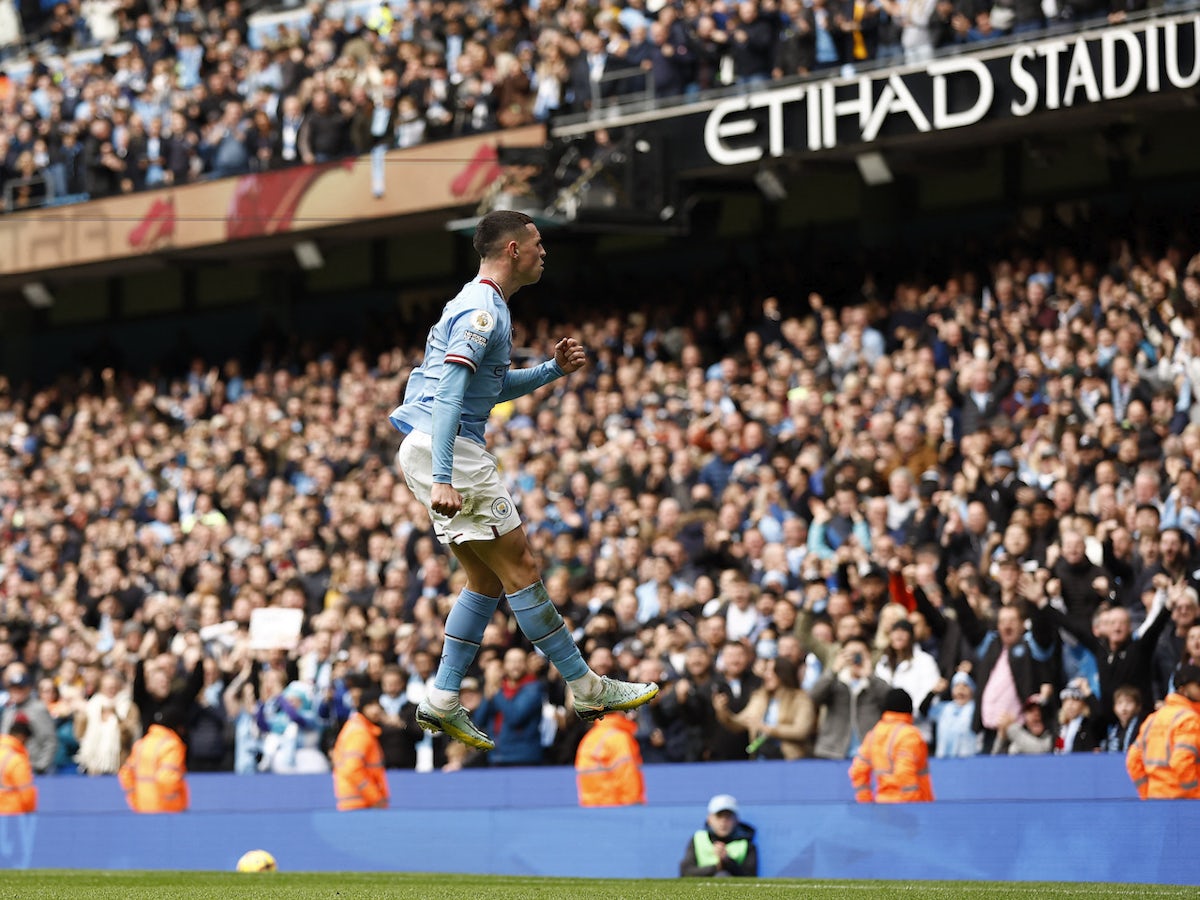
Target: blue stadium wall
[[1022, 819]]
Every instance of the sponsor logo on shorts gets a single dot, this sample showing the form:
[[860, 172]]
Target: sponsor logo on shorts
[[501, 508], [475, 338], [483, 321]]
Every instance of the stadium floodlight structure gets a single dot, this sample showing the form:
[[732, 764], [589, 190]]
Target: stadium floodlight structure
[[874, 168], [37, 295], [771, 185], [309, 255]]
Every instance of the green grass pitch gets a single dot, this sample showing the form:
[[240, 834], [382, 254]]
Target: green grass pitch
[[74, 885]]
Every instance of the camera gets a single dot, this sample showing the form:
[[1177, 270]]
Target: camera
[[857, 659]]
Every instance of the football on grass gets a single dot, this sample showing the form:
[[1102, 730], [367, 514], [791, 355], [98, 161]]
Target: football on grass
[[256, 861]]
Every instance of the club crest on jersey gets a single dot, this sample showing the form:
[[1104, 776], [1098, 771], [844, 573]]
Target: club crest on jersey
[[483, 321], [501, 508]]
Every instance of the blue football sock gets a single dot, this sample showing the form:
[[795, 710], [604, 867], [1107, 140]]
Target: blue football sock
[[464, 630], [543, 625]]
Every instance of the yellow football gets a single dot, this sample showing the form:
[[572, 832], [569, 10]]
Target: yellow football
[[256, 861]]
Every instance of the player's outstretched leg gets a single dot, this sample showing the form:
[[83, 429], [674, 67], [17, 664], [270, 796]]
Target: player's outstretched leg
[[544, 626], [441, 710]]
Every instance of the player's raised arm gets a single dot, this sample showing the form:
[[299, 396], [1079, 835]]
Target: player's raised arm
[[569, 356]]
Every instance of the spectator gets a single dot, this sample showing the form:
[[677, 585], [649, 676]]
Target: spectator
[[409, 124], [207, 723], [359, 781], [1125, 720], [1171, 646], [739, 683], [224, 144], [752, 36], [1010, 664], [668, 62], [513, 697], [724, 847], [400, 733], [62, 714], [261, 138], [103, 167], [154, 777], [850, 700], [106, 727], [688, 709], [240, 699], [895, 753], [1028, 734], [287, 148], [158, 700], [287, 721], [1079, 725], [324, 131], [905, 665], [1121, 656], [42, 743], [608, 764], [778, 719], [1083, 584], [954, 720]]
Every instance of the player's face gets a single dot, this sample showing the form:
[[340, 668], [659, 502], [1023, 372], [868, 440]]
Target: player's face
[[531, 256]]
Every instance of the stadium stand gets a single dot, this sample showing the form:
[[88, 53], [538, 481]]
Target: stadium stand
[[774, 472], [105, 97]]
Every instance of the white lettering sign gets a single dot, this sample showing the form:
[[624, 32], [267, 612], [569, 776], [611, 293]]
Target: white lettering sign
[[955, 92]]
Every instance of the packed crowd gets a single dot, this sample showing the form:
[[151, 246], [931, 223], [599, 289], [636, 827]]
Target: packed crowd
[[121, 95], [981, 491]]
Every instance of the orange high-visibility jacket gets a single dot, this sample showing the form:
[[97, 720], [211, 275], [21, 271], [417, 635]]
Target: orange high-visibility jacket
[[608, 764], [17, 793], [1164, 762], [895, 751], [153, 776], [358, 778]]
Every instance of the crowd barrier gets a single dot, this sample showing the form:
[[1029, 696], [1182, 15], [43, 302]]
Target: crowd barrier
[[1018, 819], [1080, 777]]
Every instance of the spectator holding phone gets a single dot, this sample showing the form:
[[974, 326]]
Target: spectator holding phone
[[852, 699]]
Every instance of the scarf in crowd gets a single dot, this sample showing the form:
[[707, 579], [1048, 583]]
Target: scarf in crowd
[[100, 747]]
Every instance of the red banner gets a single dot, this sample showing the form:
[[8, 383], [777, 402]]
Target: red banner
[[426, 178]]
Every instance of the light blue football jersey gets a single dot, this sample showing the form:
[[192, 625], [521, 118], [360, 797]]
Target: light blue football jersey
[[475, 331]]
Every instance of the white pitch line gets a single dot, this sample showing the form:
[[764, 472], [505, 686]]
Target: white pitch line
[[957, 890]]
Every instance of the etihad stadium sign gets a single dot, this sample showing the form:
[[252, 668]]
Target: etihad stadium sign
[[952, 92]]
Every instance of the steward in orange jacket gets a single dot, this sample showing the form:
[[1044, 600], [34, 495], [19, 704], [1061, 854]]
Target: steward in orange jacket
[[608, 764], [358, 778], [895, 751], [1164, 761], [17, 793], [153, 776]]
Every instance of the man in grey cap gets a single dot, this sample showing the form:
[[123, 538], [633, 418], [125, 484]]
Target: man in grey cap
[[43, 741], [724, 847]]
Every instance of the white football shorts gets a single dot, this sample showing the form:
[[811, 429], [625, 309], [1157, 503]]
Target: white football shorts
[[488, 510]]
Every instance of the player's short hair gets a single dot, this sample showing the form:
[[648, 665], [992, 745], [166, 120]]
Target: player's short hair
[[496, 229]]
